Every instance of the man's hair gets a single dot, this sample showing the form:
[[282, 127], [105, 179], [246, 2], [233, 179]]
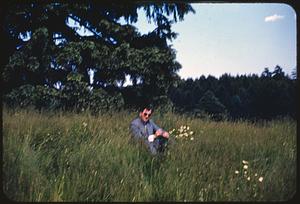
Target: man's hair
[[148, 107]]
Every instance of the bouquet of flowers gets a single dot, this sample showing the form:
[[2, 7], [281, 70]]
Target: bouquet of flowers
[[184, 133]]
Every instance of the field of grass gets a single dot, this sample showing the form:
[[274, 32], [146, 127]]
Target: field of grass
[[81, 157]]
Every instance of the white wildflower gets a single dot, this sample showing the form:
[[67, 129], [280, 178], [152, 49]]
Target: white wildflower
[[236, 172], [260, 179], [245, 167], [245, 162]]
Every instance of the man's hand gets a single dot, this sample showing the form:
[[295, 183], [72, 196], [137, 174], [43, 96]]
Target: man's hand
[[160, 132], [166, 134]]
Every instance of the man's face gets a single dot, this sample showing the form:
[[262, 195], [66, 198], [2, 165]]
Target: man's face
[[145, 115]]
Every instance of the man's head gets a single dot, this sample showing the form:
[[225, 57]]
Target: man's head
[[145, 114]]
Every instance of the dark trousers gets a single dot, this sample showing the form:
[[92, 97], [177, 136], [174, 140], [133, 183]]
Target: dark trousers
[[161, 144]]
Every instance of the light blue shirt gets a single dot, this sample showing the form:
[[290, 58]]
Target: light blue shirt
[[141, 130]]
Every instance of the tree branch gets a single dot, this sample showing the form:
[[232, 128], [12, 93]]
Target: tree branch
[[88, 28]]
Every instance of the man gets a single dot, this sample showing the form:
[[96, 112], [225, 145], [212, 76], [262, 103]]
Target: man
[[145, 130]]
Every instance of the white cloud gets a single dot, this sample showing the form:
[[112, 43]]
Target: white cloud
[[273, 18]]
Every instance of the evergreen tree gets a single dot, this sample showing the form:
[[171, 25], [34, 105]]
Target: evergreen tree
[[53, 48], [211, 105]]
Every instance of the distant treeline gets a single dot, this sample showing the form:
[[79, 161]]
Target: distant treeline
[[270, 95]]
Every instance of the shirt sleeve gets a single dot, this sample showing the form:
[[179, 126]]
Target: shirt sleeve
[[155, 127]]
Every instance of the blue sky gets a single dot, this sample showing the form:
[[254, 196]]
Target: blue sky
[[233, 38]]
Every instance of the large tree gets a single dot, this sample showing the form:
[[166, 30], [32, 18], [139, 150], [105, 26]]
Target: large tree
[[43, 48]]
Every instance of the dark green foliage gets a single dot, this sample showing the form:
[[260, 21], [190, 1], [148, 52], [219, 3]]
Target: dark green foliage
[[274, 97], [271, 95], [210, 104], [74, 95], [36, 96], [54, 49], [75, 92], [112, 51], [31, 63]]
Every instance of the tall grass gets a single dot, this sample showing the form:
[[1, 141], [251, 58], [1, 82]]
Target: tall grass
[[80, 157]]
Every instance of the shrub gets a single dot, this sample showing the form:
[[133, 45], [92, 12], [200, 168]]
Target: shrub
[[74, 95]]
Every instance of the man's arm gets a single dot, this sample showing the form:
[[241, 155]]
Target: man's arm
[[155, 127], [159, 131]]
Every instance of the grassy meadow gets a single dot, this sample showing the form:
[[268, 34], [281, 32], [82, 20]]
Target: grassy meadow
[[81, 157]]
